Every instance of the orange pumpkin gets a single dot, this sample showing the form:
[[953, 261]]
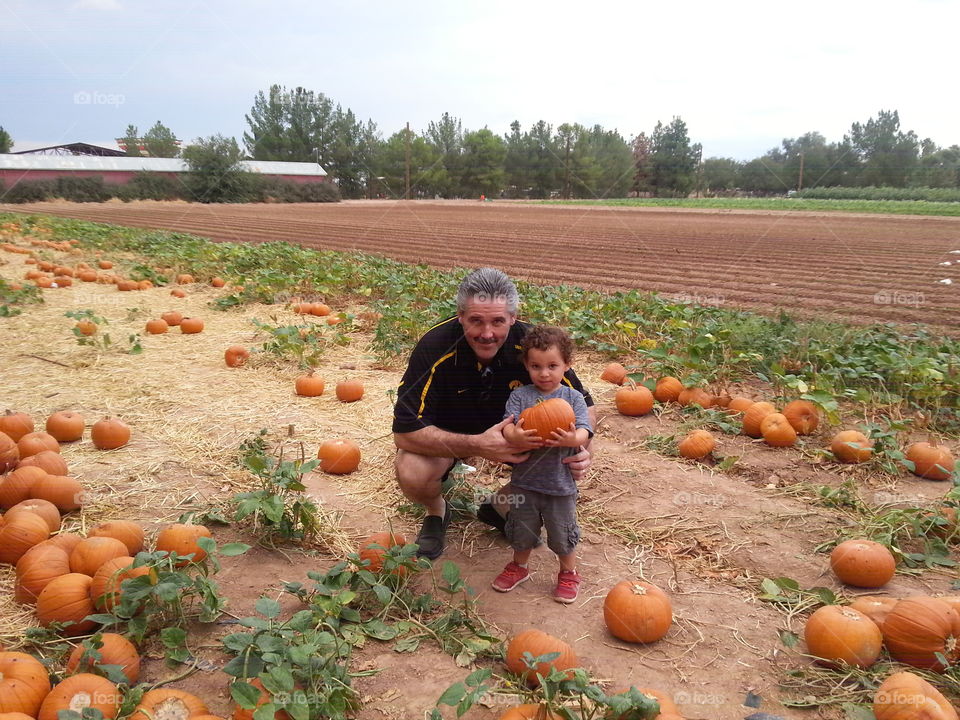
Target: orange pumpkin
[[64, 492], [168, 704], [754, 415], [802, 415], [178, 293], [242, 714], [20, 533], [840, 635], [918, 629], [126, 531], [349, 390], [24, 683], [637, 611], [87, 328], [181, 539], [934, 462], [547, 416], [236, 355], [109, 433], [529, 711], [113, 649], [49, 461], [695, 396], [614, 373], [191, 325], [43, 509], [104, 264], [698, 444], [92, 552], [38, 566], [863, 563], [374, 555], [66, 599], [339, 457], [738, 404], [874, 607], [157, 326], [65, 426], [79, 692], [9, 453], [35, 442], [668, 389], [105, 590], [217, 282], [777, 430], [851, 446], [309, 385], [905, 696], [66, 540], [538, 643], [15, 487], [16, 424], [319, 309], [668, 708], [184, 279], [172, 318], [633, 400]]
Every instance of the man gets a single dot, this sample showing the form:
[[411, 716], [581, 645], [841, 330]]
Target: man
[[451, 399]]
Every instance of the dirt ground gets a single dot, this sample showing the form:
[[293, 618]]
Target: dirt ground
[[862, 268], [705, 536]]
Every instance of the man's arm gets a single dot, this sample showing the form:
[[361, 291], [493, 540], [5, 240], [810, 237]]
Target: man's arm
[[434, 442]]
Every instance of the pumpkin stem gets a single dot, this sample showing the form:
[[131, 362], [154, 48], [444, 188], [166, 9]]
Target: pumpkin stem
[[638, 589]]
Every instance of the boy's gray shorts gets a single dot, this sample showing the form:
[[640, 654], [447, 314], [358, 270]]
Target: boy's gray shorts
[[531, 510]]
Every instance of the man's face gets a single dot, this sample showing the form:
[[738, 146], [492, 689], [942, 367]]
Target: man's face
[[485, 326]]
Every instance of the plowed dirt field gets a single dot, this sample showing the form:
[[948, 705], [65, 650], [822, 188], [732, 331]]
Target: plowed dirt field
[[864, 268]]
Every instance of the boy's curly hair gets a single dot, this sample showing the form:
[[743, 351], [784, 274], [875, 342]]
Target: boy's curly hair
[[544, 337]]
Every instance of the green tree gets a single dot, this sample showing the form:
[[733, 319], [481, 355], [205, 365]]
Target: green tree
[[888, 154], [215, 173], [483, 157], [290, 126], [543, 160], [447, 137], [674, 160], [642, 156], [765, 175], [130, 142], [602, 163], [6, 142], [427, 174], [516, 164], [159, 141], [720, 175], [937, 167]]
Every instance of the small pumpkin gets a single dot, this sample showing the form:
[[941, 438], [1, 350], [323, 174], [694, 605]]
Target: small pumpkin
[[777, 430], [109, 433], [236, 355], [217, 282], [66, 599], [548, 416], [905, 696], [191, 325], [754, 415], [38, 566], [851, 446], [319, 309], [184, 279], [35, 442], [9, 453], [49, 461], [309, 385], [126, 531], [349, 390], [181, 539], [64, 492], [934, 462], [633, 400], [79, 692], [172, 318], [537, 642], [16, 424], [863, 563], [918, 629], [168, 704], [157, 326], [838, 635], [20, 533], [15, 487], [695, 396], [668, 389], [802, 415], [65, 426], [107, 649], [370, 552], [696, 445], [92, 552], [24, 683], [738, 404], [87, 328], [637, 611], [178, 293], [339, 457], [614, 373], [41, 508], [104, 264]]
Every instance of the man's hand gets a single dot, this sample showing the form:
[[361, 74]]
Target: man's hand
[[579, 463], [492, 444]]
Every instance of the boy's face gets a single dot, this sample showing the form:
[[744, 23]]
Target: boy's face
[[485, 327], [546, 368]]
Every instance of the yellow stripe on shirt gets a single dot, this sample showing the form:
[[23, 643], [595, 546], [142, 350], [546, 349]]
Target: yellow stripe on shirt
[[426, 385]]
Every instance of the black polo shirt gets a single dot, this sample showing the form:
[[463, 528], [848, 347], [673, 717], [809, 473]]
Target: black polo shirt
[[446, 386]]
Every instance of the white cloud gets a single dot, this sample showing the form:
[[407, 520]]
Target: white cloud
[[98, 5]]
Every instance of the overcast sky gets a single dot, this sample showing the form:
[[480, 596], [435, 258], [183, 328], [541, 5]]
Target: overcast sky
[[742, 75]]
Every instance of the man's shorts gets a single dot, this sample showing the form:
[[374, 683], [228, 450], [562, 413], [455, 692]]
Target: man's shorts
[[531, 510]]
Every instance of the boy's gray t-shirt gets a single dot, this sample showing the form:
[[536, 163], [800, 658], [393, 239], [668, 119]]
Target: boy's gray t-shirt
[[544, 470]]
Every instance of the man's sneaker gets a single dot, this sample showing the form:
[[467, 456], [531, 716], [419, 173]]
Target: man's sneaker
[[486, 513], [568, 586], [511, 576], [431, 539]]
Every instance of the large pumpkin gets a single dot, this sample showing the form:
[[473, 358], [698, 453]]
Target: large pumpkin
[[875, 607], [107, 580], [754, 415], [38, 566], [47, 460], [63, 492], [547, 416], [633, 400], [349, 390], [695, 396], [16, 424], [668, 389], [9, 453], [637, 611], [168, 704], [375, 555], [79, 692], [114, 650], [841, 635], [19, 534], [802, 415], [66, 599], [851, 446], [34, 442], [65, 426], [777, 430], [905, 696], [15, 487], [109, 433], [44, 508], [920, 628], [339, 457], [92, 552], [309, 385], [698, 444], [181, 539], [934, 462], [126, 531], [24, 683], [537, 643], [863, 563], [614, 373]]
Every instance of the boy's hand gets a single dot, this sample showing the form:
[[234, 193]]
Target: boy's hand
[[564, 438], [521, 438]]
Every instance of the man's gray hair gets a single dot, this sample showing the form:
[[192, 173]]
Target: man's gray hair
[[487, 285]]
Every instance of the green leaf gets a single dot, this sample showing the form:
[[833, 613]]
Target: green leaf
[[407, 644], [235, 667], [383, 593], [453, 694], [173, 637], [233, 549], [857, 712], [278, 680], [450, 572], [378, 629], [267, 711], [788, 638], [268, 607], [237, 642], [207, 544]]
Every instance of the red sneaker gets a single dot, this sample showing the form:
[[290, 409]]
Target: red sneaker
[[511, 576], [568, 586]]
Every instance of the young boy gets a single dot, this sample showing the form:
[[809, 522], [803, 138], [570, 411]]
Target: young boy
[[544, 490]]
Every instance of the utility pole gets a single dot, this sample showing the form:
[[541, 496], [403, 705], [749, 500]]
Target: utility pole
[[406, 168], [800, 179]]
